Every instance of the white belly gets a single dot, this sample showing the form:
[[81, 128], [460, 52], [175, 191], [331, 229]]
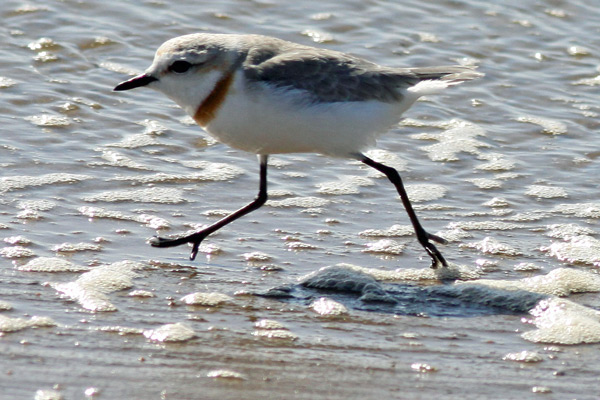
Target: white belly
[[270, 122]]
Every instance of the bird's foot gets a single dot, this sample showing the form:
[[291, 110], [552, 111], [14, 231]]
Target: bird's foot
[[436, 257], [194, 239]]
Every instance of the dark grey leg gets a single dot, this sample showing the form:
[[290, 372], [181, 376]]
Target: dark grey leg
[[196, 238], [422, 236]]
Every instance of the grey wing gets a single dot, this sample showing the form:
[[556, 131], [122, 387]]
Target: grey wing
[[329, 76]]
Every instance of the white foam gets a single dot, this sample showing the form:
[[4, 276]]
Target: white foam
[[459, 137], [541, 389], [76, 247], [557, 320], [423, 367], [211, 299], [257, 257], [497, 202], [299, 246], [153, 127], [528, 216], [485, 183], [17, 240], [581, 210], [135, 141], [5, 306], [454, 234], [48, 394], [116, 159], [301, 202], [51, 264], [269, 324], [567, 231], [327, 307], [562, 321], [37, 205], [576, 249], [277, 334], [546, 192], [270, 329], [384, 247], [558, 282], [527, 267], [91, 392], [177, 332], [392, 231], [141, 294], [425, 192], [91, 289], [495, 162], [595, 81], [21, 182], [8, 324], [29, 214], [550, 126], [226, 374], [489, 245], [149, 220], [212, 172], [16, 252], [453, 271], [6, 82], [47, 120], [344, 185], [345, 275], [524, 356], [121, 330], [147, 195], [484, 225]]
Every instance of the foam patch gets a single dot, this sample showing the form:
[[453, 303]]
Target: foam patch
[[559, 282], [91, 289], [562, 321]]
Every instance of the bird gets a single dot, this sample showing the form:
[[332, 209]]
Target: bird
[[265, 95]]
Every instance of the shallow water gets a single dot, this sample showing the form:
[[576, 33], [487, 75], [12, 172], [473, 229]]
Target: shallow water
[[505, 168]]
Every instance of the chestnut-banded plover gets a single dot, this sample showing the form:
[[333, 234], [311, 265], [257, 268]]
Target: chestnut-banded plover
[[269, 96]]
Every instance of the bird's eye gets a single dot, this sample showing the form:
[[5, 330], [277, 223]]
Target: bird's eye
[[179, 67]]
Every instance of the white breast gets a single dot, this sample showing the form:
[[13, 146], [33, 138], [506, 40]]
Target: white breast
[[264, 120]]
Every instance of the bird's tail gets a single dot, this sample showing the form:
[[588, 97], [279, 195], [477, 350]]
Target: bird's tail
[[450, 73], [434, 79]]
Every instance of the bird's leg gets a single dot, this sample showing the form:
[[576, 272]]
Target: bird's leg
[[196, 238], [423, 236]]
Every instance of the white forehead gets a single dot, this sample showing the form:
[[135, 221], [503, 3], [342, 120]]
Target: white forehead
[[198, 43], [189, 48], [195, 48]]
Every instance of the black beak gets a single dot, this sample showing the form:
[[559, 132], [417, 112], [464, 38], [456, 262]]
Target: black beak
[[138, 81]]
